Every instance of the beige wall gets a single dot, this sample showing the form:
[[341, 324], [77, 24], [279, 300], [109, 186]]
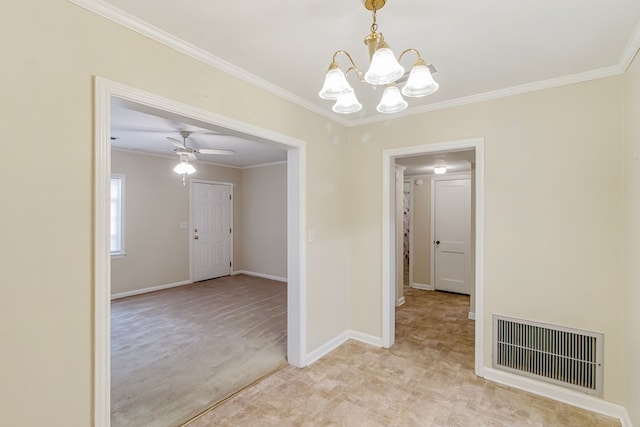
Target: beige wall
[[55, 49], [421, 231], [263, 220], [156, 203], [553, 209], [632, 234], [553, 218]]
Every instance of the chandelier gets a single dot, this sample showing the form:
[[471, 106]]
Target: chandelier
[[384, 70]]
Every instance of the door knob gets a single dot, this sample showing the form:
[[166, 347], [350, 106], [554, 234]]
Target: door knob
[[196, 237], [437, 242]]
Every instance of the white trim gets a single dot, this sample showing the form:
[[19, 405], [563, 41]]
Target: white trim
[[365, 338], [104, 90], [337, 341], [625, 419], [400, 301], [570, 397], [472, 316], [297, 256], [140, 26], [118, 16], [432, 232], [388, 177], [327, 347], [102, 256], [500, 93], [411, 181], [191, 226], [150, 289], [630, 50], [422, 286], [262, 165], [388, 250], [264, 276]]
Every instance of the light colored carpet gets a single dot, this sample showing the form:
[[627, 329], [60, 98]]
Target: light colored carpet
[[176, 352]]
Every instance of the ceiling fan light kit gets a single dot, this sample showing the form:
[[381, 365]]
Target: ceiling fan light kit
[[384, 69], [185, 168]]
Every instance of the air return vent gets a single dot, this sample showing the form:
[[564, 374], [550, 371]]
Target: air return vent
[[568, 357]]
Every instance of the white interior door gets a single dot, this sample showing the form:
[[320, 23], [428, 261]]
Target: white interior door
[[211, 236], [452, 236]]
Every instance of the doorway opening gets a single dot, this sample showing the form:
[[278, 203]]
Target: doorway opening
[[391, 260], [105, 93]]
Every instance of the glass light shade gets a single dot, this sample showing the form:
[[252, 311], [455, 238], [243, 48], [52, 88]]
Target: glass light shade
[[384, 68], [184, 167], [335, 84], [347, 103], [439, 170], [420, 82], [392, 101]]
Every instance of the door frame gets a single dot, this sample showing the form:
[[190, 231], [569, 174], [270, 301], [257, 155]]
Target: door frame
[[410, 180], [388, 235], [432, 225], [104, 91], [202, 181]]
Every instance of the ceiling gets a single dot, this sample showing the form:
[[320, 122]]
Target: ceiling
[[455, 161], [141, 128], [482, 50]]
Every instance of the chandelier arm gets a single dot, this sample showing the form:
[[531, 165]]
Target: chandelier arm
[[354, 67], [358, 73], [410, 50]]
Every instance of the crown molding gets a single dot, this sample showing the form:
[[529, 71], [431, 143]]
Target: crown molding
[[262, 165], [630, 50], [138, 25], [500, 93], [131, 22]]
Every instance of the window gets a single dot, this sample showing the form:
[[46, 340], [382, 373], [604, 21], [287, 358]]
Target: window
[[117, 216]]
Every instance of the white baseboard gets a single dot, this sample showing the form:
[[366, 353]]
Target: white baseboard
[[472, 315], [570, 397], [400, 301], [336, 342], [264, 276], [366, 338], [326, 348], [150, 289], [422, 286]]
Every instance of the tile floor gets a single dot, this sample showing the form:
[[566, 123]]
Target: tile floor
[[425, 379]]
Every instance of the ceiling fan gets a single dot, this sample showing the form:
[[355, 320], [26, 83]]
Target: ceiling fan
[[182, 149]]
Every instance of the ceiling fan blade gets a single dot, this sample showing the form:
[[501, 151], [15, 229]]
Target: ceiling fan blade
[[175, 142], [214, 151], [188, 153]]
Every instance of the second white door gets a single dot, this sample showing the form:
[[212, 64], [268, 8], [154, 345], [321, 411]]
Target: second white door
[[211, 233], [452, 236]]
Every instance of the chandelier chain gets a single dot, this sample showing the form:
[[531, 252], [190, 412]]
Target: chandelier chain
[[374, 25]]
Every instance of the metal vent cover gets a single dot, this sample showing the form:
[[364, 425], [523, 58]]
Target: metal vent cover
[[563, 356]]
